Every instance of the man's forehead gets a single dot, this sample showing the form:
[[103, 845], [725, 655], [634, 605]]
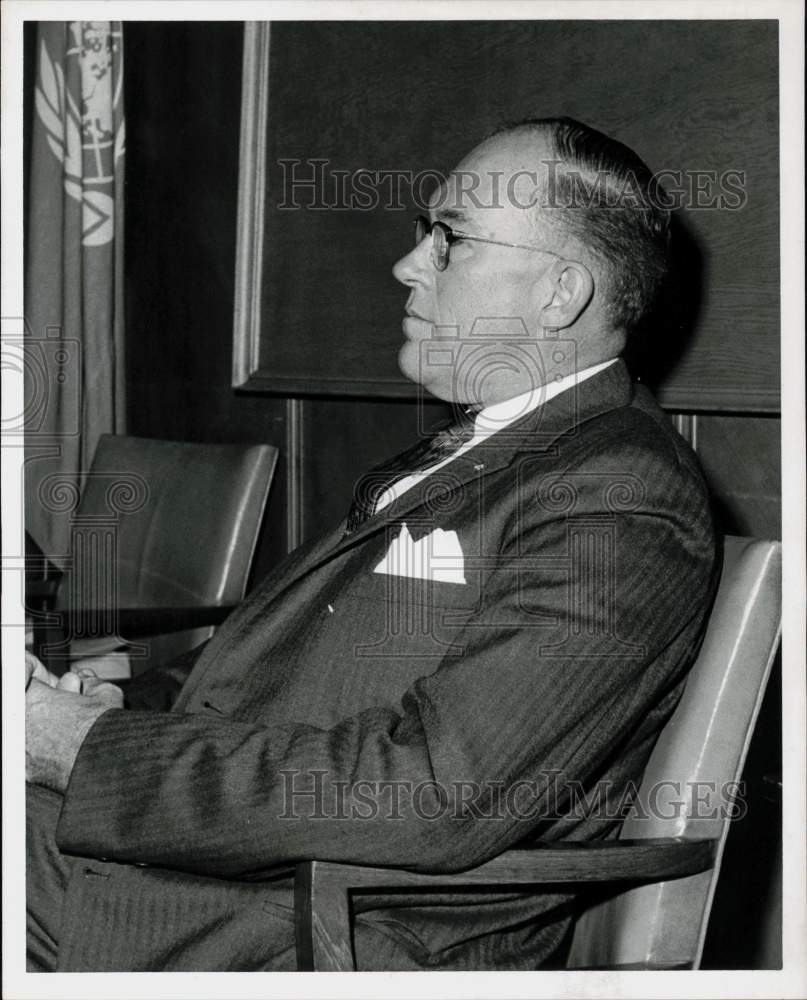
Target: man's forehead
[[466, 188], [504, 172]]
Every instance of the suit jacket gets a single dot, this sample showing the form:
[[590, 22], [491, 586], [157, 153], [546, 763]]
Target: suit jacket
[[354, 716]]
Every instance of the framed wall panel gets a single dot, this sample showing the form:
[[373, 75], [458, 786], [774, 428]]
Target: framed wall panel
[[333, 108]]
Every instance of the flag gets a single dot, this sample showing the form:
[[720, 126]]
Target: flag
[[74, 372]]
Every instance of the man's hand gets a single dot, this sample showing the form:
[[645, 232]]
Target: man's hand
[[79, 681], [35, 668], [57, 718]]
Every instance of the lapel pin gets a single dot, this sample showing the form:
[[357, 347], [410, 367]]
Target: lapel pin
[[479, 466]]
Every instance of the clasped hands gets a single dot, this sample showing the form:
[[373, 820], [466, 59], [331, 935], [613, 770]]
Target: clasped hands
[[59, 712]]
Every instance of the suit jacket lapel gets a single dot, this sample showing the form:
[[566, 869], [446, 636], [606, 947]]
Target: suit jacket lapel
[[537, 431]]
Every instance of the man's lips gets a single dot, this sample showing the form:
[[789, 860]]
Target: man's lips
[[410, 312], [415, 327]]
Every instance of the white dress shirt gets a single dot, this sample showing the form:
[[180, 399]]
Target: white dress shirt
[[495, 418]]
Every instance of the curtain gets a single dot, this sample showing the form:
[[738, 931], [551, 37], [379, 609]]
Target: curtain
[[74, 372]]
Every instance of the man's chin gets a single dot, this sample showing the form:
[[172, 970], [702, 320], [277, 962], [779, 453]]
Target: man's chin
[[429, 382], [409, 362], [438, 382]]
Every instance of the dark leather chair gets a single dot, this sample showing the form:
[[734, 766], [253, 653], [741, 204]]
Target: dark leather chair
[[668, 867], [162, 541]]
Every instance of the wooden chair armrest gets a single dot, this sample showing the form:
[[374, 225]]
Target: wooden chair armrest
[[322, 889], [134, 622], [110, 628], [131, 623]]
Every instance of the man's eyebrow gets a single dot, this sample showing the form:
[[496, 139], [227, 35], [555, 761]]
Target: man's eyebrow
[[451, 215]]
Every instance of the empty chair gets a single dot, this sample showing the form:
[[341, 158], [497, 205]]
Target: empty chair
[[160, 525]]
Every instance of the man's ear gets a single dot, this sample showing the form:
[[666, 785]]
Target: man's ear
[[570, 292]]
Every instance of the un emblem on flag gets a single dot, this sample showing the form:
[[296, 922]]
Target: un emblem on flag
[[79, 101]]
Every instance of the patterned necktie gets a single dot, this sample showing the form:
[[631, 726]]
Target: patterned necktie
[[445, 438]]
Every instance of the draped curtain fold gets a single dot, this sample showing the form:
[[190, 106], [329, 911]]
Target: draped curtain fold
[[74, 373]]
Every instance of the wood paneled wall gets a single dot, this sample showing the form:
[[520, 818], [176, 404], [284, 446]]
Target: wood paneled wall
[[698, 100], [183, 98]]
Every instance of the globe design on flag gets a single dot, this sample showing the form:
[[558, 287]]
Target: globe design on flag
[[86, 130]]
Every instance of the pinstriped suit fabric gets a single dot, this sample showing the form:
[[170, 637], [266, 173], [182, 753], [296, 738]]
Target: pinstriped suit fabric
[[590, 565]]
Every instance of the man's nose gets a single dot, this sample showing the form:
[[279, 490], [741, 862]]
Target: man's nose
[[416, 267]]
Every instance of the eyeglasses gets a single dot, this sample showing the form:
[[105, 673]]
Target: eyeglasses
[[444, 236]]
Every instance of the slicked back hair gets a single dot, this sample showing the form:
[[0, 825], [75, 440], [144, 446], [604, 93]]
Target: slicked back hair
[[602, 194]]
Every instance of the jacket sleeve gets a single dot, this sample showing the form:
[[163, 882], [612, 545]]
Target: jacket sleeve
[[563, 660]]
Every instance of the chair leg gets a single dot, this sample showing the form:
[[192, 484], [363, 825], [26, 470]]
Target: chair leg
[[322, 920]]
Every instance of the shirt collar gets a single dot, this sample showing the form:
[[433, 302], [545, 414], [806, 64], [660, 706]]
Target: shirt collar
[[498, 415]]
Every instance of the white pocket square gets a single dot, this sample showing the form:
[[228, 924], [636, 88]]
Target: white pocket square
[[436, 556]]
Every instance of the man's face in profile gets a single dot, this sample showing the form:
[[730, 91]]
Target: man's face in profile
[[489, 296]]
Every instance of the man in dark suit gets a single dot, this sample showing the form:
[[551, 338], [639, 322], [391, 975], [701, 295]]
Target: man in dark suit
[[507, 615]]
